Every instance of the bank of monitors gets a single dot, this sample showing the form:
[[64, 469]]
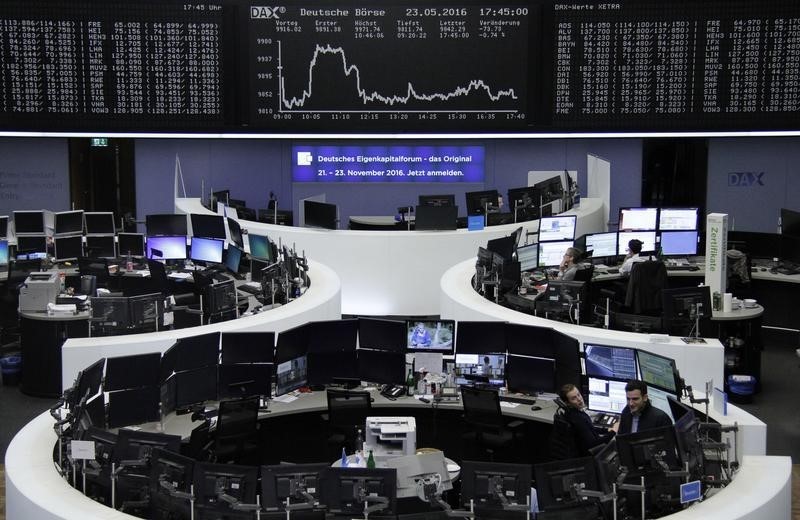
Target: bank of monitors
[[291, 375], [101, 246], [558, 228], [552, 253], [68, 223], [208, 250], [679, 243], [482, 202], [166, 224], [609, 361], [29, 222], [481, 337], [480, 369], [531, 375], [528, 257], [130, 244], [208, 226], [345, 490], [67, 247], [606, 395], [638, 219], [380, 334], [99, 223], [164, 247], [446, 199], [430, 336], [678, 219], [382, 367], [602, 244], [321, 214], [648, 239], [490, 485]]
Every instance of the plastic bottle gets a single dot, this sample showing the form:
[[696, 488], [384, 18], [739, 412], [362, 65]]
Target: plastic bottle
[[371, 460], [344, 457], [129, 262], [359, 441]]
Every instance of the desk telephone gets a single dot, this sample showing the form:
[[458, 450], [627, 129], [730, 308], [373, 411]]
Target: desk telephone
[[392, 391]]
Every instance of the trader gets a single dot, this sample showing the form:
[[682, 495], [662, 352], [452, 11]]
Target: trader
[[568, 266], [634, 249], [587, 435], [640, 414]]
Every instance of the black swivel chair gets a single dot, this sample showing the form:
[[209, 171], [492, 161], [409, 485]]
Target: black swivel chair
[[18, 271], [236, 435], [562, 444], [487, 429], [647, 281], [97, 267], [584, 273], [347, 411]]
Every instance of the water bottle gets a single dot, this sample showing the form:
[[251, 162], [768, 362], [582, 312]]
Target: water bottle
[[129, 262], [359, 441]]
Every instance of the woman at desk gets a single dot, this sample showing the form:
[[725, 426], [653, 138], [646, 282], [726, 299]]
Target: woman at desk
[[568, 266]]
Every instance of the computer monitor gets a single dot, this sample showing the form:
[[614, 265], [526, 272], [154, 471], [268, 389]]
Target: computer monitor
[[648, 239], [233, 259], [679, 243], [133, 406], [503, 246], [110, 313], [134, 371], [479, 201], [607, 465], [208, 226], [170, 473], [382, 367], [492, 484], [130, 244], [531, 375], [146, 311], [245, 380], [32, 245], [524, 203], [660, 399], [235, 232], [602, 244], [551, 188], [637, 450], [558, 228], [221, 300], [88, 382], [606, 395], [333, 335], [447, 199], [67, 247], [291, 375], [757, 245], [528, 257], [530, 340], [164, 247], [29, 222], [207, 250], [247, 347], [656, 370], [260, 247], [197, 386], [380, 334], [99, 222], [610, 361], [638, 219], [486, 369], [222, 196], [321, 214], [790, 223], [436, 218], [292, 343], [196, 351], [552, 253], [101, 246], [686, 431], [166, 224], [325, 368], [238, 484], [684, 305], [430, 336], [3, 252], [3, 227], [564, 301], [481, 337], [678, 219], [346, 490], [140, 445], [68, 222], [635, 322], [297, 483], [556, 482]]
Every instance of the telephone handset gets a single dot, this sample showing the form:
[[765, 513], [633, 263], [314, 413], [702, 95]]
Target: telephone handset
[[392, 391]]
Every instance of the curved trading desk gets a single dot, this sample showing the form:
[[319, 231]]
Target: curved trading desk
[[395, 272], [322, 301]]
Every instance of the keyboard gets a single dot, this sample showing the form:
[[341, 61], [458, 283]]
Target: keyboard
[[682, 267], [613, 270], [518, 400], [788, 270], [253, 288]]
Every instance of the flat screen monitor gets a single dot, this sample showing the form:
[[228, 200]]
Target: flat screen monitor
[[260, 247], [608, 361], [790, 223], [247, 347], [333, 335], [208, 226], [325, 368], [636, 322], [344, 489], [130, 244], [790, 248], [33, 244], [29, 222], [447, 199], [233, 258], [88, 381], [67, 247], [660, 399], [146, 311], [132, 371], [530, 340], [239, 483], [99, 223], [245, 380], [380, 334], [686, 304], [638, 219], [479, 201], [568, 358], [430, 336], [166, 224], [291, 375], [488, 369], [295, 482], [110, 312], [3, 227], [133, 406], [679, 243], [164, 247], [555, 482], [3, 252], [235, 232], [678, 219], [757, 245], [531, 375], [552, 253], [177, 471], [382, 367], [606, 395], [101, 246], [197, 351], [636, 449], [292, 343], [528, 257], [491, 484], [657, 371], [207, 250], [68, 222], [551, 188], [524, 203], [195, 386], [436, 218], [481, 337], [139, 445], [602, 244], [558, 228], [321, 214], [648, 239], [563, 300], [503, 246]]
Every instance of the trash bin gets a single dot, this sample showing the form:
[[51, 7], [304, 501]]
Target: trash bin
[[11, 368], [741, 388]]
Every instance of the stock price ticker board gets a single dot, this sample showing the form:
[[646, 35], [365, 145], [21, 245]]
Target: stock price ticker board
[[521, 66]]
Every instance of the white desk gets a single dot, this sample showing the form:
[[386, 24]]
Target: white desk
[[394, 272]]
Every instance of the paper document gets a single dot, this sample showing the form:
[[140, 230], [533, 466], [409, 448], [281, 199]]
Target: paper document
[[506, 404], [179, 276], [286, 398]]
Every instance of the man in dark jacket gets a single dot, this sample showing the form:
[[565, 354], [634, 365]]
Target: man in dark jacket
[[640, 415], [586, 434]]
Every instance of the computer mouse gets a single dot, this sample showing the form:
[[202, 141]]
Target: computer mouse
[[536, 408]]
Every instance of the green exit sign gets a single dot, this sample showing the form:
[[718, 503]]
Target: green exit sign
[[99, 141]]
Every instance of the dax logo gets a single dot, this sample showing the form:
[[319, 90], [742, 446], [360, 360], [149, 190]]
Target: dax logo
[[304, 158], [745, 179], [265, 13]]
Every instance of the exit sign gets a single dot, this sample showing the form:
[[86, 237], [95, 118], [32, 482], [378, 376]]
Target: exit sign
[[99, 141]]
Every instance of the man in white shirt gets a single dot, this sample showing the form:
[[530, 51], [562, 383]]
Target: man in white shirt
[[634, 248]]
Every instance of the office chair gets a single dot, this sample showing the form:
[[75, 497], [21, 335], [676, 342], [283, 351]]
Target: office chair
[[97, 267], [488, 430], [647, 281], [236, 434], [562, 444], [584, 273], [347, 411], [738, 273], [18, 271]]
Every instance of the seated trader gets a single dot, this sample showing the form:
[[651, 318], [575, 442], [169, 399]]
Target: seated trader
[[568, 267], [587, 435], [634, 248], [640, 415]]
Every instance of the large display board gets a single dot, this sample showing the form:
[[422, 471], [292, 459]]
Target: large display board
[[456, 66]]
